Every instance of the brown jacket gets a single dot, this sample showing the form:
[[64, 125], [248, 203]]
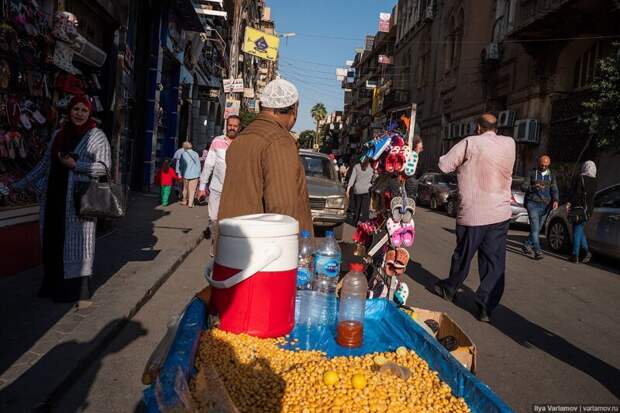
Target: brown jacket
[[264, 174]]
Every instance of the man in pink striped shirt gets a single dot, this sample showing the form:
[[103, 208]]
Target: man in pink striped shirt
[[483, 164]]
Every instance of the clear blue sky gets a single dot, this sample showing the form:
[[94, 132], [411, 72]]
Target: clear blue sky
[[328, 32]]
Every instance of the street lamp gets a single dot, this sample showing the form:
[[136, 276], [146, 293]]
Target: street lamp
[[287, 35]]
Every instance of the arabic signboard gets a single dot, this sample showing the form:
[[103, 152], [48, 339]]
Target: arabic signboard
[[384, 22], [233, 85], [261, 44], [232, 108], [386, 60]]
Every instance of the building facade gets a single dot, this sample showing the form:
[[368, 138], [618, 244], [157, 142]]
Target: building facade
[[153, 71], [529, 62]]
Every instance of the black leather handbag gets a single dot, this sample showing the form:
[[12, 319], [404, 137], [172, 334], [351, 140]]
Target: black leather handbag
[[97, 199], [579, 214]]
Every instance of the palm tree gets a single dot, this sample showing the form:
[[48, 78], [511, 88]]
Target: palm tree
[[318, 113]]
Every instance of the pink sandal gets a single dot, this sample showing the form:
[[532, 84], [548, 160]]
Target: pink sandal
[[395, 231], [408, 234]]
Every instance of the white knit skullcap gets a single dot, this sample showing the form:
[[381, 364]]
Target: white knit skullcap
[[278, 94]]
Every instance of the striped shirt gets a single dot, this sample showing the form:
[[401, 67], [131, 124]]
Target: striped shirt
[[484, 167], [264, 174]]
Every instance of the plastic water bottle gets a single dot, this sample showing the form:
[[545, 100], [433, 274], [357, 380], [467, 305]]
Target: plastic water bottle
[[305, 266], [350, 329], [327, 261]]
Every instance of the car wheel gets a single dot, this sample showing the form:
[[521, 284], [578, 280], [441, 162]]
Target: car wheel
[[451, 208], [433, 203], [558, 237]]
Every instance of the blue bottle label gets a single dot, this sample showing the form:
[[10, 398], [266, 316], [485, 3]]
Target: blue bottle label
[[328, 266], [303, 276]]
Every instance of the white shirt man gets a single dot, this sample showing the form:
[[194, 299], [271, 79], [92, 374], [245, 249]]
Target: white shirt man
[[214, 167]]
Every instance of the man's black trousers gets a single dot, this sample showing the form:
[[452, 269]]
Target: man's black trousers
[[490, 243], [360, 205]]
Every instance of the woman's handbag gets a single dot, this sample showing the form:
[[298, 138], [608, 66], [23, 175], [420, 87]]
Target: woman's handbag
[[579, 214], [97, 199]]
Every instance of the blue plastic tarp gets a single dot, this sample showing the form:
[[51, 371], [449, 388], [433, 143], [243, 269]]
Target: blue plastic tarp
[[385, 329]]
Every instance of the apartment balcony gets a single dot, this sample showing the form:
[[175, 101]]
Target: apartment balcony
[[543, 19], [396, 97]]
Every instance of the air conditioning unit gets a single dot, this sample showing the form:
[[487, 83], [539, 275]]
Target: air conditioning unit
[[88, 52], [506, 119], [527, 131], [491, 53], [463, 129], [471, 127], [454, 130]]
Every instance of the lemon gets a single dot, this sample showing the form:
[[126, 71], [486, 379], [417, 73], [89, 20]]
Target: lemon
[[401, 351], [330, 378], [358, 381], [380, 360]]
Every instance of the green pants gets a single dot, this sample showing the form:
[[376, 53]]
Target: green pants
[[165, 194]]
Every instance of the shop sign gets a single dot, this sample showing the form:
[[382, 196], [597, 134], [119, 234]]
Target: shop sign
[[386, 60], [384, 22], [261, 44], [208, 93], [231, 108], [233, 85]]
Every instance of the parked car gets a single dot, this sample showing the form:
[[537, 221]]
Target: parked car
[[519, 213], [602, 229], [452, 203], [434, 188], [327, 200]]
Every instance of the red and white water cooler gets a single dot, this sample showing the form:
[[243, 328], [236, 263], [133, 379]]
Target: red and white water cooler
[[253, 277]]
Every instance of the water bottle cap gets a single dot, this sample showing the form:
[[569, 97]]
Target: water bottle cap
[[356, 267], [305, 233], [329, 234]]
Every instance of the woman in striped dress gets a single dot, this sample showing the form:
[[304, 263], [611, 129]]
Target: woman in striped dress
[[75, 154]]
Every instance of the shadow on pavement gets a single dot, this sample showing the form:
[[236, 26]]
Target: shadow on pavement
[[18, 396], [529, 334], [26, 318]]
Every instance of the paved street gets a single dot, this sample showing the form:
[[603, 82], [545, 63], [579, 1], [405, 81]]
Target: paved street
[[553, 339], [45, 343], [113, 382]]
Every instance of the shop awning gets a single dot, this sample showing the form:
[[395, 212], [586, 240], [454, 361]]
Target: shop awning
[[188, 16]]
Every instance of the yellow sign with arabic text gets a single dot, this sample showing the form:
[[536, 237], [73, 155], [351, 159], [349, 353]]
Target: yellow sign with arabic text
[[261, 44]]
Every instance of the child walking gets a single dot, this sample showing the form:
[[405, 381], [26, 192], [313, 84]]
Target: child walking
[[165, 179]]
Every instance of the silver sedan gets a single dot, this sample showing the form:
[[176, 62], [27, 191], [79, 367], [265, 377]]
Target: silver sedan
[[602, 229]]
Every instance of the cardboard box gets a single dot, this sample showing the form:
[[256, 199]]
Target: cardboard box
[[466, 351]]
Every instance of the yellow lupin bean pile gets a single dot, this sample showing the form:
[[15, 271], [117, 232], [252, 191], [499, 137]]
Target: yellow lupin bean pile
[[262, 377]]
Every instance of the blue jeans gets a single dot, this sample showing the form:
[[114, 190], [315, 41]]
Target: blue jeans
[[537, 214], [579, 239]]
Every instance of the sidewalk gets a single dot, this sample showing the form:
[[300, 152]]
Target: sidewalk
[[46, 345]]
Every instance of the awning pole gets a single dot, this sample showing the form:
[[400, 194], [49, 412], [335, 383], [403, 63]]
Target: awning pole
[[414, 108]]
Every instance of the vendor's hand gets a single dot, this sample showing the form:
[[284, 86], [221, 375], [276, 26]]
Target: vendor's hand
[[202, 194], [555, 205], [67, 161], [568, 206]]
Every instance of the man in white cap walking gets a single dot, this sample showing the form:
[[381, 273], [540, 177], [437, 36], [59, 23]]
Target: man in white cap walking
[[264, 174]]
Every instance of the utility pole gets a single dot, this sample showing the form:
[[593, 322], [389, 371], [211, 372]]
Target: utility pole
[[234, 49]]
